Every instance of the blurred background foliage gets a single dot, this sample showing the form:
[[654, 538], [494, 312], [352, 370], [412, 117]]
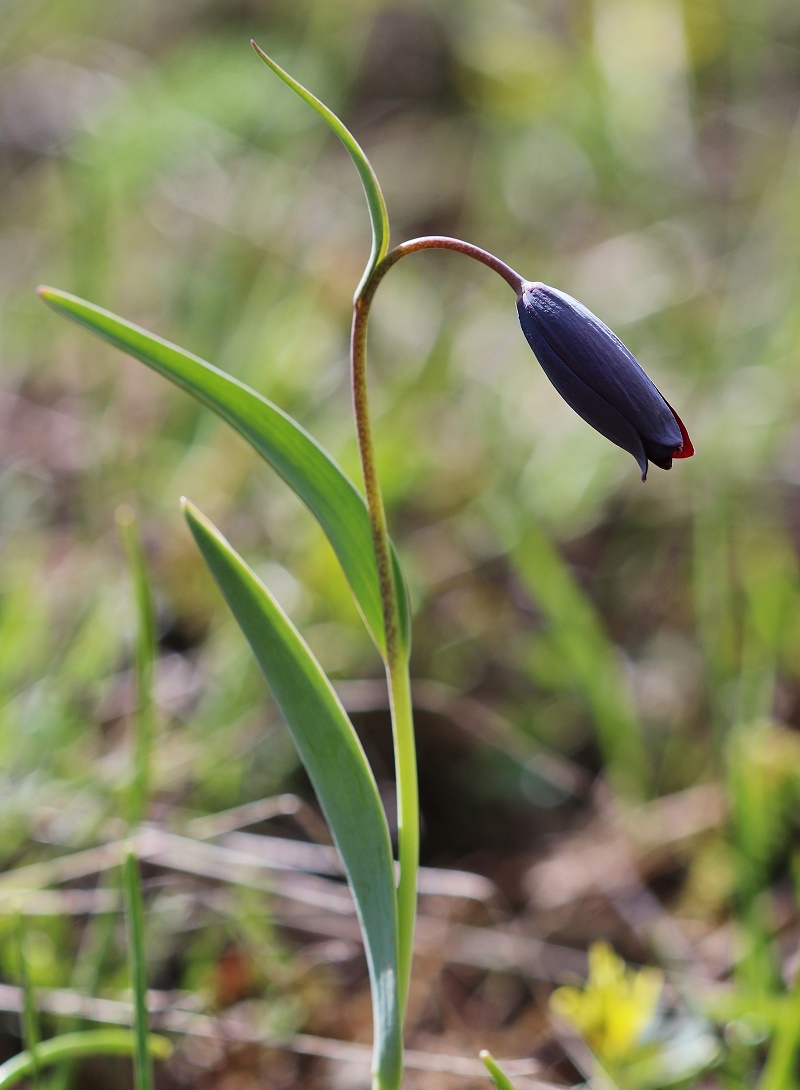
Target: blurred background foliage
[[642, 155]]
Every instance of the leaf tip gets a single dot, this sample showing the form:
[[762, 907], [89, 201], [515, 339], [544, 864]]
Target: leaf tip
[[45, 293], [500, 1080], [197, 521], [190, 512], [124, 516], [54, 297], [260, 51]]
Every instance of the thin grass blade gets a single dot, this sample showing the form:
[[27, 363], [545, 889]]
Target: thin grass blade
[[30, 1019], [308, 469], [338, 769], [501, 1081], [780, 1069], [134, 911], [590, 657], [138, 790], [372, 190], [74, 1046]]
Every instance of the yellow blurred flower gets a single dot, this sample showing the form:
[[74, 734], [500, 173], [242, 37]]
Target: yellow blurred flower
[[615, 1006]]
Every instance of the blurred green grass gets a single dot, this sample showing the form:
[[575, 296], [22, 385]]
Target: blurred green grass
[[642, 155]]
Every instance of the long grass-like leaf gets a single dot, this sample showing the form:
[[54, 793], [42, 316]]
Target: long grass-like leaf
[[143, 1067], [780, 1069], [372, 190], [145, 661], [501, 1080], [590, 658], [337, 767], [308, 469], [74, 1046], [30, 1020]]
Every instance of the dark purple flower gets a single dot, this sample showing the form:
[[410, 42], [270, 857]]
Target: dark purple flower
[[596, 374]]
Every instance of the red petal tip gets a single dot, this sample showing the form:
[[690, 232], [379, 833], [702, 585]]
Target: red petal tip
[[687, 450]]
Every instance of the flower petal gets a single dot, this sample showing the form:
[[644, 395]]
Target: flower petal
[[585, 401], [600, 358], [568, 340], [687, 450]]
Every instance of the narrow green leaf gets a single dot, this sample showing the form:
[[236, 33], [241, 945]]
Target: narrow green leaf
[[780, 1069], [134, 912], [501, 1081], [588, 655], [30, 1019], [86, 972], [144, 720], [339, 771], [372, 190], [308, 469], [73, 1046]]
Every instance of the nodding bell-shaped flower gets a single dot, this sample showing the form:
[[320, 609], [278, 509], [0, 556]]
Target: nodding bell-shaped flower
[[596, 374]]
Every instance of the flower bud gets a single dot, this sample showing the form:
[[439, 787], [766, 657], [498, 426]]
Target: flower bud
[[596, 374]]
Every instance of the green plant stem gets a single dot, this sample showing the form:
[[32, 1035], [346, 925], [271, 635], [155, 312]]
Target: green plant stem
[[142, 1062], [358, 362], [779, 1070], [405, 758], [139, 787], [397, 652]]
